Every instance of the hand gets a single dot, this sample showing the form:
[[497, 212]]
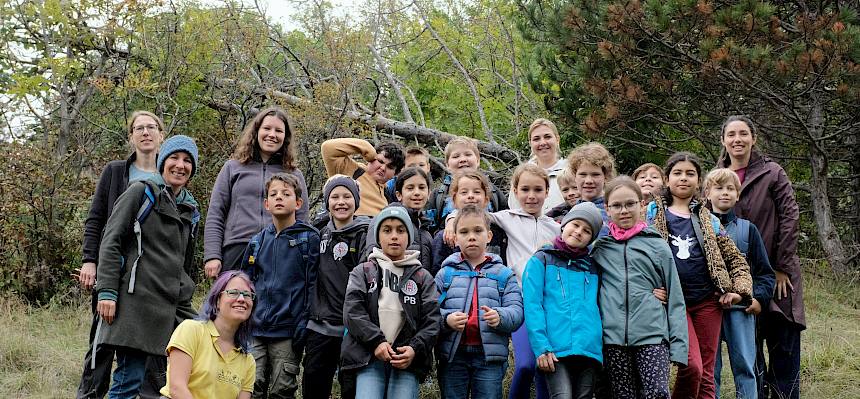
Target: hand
[[212, 268], [450, 236], [754, 308], [783, 284], [107, 310], [86, 275], [457, 320], [728, 299], [491, 316], [384, 352], [661, 295], [546, 362], [403, 358]]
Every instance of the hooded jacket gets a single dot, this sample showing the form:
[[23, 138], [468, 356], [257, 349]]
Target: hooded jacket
[[526, 234], [419, 299], [422, 242], [632, 315], [459, 299]]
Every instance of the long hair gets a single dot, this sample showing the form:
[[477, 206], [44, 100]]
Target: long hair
[[736, 118], [249, 146], [209, 310], [674, 160]]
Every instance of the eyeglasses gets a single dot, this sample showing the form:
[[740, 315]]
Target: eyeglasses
[[235, 294], [617, 207], [141, 128]]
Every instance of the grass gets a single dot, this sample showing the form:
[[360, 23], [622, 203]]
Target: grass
[[41, 349]]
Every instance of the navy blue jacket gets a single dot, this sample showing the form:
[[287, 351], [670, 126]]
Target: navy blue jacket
[[756, 256], [283, 267]]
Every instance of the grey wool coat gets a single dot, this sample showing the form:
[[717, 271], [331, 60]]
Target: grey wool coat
[[162, 293]]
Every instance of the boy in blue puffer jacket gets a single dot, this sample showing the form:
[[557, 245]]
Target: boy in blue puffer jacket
[[282, 260], [481, 306]]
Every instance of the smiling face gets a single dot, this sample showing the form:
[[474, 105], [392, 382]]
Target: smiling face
[[380, 169], [531, 192], [590, 180], [341, 204], [683, 180], [270, 136], [393, 238], [650, 181], [738, 140], [281, 199], [472, 236], [236, 310], [576, 233], [544, 144], [146, 135], [415, 193], [470, 192], [623, 206], [177, 170], [569, 192], [462, 159], [723, 197]]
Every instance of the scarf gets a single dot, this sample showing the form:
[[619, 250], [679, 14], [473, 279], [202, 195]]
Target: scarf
[[623, 235], [560, 245]]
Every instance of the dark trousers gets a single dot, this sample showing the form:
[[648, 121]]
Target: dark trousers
[[322, 355], [231, 256], [779, 374], [574, 377]]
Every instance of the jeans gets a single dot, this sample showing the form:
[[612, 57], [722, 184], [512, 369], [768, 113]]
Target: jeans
[[322, 355], [130, 369], [524, 368], [277, 368], [781, 373], [739, 333], [469, 372], [574, 377], [696, 380], [378, 380]]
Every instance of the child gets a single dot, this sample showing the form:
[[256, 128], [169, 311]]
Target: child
[[383, 162], [570, 193], [650, 179], [391, 314], [282, 261], [412, 189], [640, 334], [713, 273], [722, 189], [342, 241], [416, 157], [560, 290], [592, 165], [481, 305]]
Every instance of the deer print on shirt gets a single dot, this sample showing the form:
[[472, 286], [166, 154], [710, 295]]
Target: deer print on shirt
[[683, 246]]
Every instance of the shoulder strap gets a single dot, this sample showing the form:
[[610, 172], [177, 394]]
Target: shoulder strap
[[358, 172], [501, 280], [145, 209], [743, 235]]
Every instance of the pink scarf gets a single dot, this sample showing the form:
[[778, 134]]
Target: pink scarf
[[623, 235]]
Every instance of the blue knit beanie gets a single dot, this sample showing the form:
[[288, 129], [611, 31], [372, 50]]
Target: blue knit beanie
[[175, 144], [397, 212]]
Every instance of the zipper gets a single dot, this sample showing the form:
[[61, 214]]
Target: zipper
[[263, 190], [560, 283], [626, 295]]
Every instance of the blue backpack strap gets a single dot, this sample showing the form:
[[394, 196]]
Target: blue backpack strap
[[145, 209], [501, 280], [255, 243], [743, 235], [448, 278]]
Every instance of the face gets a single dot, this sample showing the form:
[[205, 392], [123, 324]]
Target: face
[[415, 193], [177, 169], [544, 143], [723, 197], [470, 192], [281, 199], [650, 181], [472, 237], [624, 207], [576, 233], [683, 180], [393, 238], [590, 179], [380, 168], [341, 204], [418, 161], [531, 193], [238, 309], [462, 159], [271, 135], [569, 192], [738, 139], [145, 134]]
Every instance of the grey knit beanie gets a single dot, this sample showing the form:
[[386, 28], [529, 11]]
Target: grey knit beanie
[[397, 212], [589, 213], [341, 180]]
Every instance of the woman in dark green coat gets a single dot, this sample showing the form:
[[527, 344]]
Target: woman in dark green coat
[[146, 255]]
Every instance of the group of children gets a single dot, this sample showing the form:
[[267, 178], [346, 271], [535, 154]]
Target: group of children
[[599, 296]]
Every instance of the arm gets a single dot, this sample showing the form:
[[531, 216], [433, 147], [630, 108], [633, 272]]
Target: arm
[[511, 311], [535, 315], [444, 311], [737, 266], [430, 318], [180, 371], [356, 317], [311, 271], [97, 218], [216, 217], [763, 276], [787, 218], [337, 153], [676, 309], [303, 212], [118, 226]]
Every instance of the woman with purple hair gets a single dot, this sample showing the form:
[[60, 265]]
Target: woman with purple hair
[[208, 357]]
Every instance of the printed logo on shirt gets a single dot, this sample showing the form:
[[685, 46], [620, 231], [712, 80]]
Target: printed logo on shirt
[[410, 288], [229, 378], [391, 281], [340, 250], [683, 246], [323, 244]]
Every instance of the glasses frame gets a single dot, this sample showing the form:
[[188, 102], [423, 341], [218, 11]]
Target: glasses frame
[[234, 294]]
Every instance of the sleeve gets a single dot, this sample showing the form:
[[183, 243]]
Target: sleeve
[[119, 224], [676, 308], [97, 217], [356, 316], [502, 199], [535, 315], [311, 270], [216, 216], [443, 310], [250, 374], [428, 321], [787, 218], [337, 153], [244, 265], [185, 337], [511, 311], [737, 266], [763, 276], [441, 251], [303, 212]]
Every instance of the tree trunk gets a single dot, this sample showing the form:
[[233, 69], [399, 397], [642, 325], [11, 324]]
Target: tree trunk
[[391, 82]]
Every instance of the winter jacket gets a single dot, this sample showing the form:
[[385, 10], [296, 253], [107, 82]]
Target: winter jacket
[[441, 204], [560, 295], [283, 267], [148, 310], [236, 209], [361, 316], [340, 252], [458, 298], [526, 234], [756, 256], [767, 200], [554, 196], [337, 157], [728, 268], [422, 242], [498, 245], [629, 272]]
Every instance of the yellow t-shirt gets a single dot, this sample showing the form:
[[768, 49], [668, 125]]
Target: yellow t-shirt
[[213, 374]]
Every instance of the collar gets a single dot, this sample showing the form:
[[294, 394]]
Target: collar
[[726, 218], [209, 325]]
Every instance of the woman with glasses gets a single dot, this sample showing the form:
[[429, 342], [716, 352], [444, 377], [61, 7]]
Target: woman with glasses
[[208, 357]]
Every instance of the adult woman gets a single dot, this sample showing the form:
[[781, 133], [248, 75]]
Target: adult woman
[[143, 283], [767, 200], [544, 141], [209, 356], [236, 206], [144, 136]]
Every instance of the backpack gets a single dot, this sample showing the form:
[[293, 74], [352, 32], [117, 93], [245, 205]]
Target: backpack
[[501, 279], [740, 234]]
